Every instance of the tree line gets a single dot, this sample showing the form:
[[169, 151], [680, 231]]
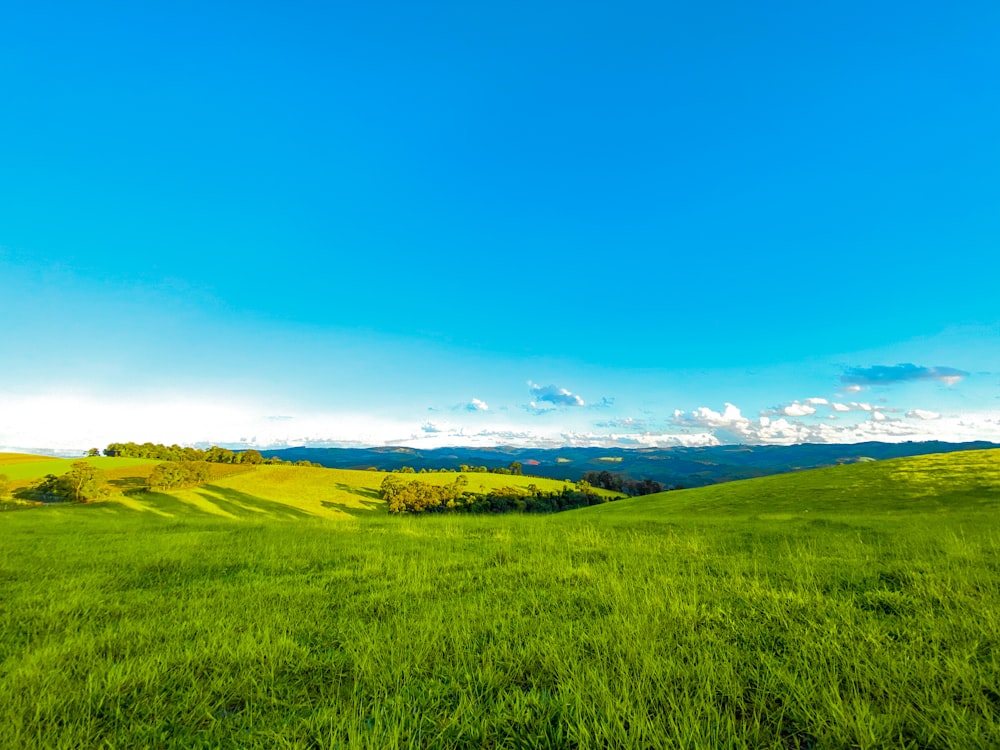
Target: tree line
[[618, 483], [213, 455], [158, 451], [414, 496], [514, 469]]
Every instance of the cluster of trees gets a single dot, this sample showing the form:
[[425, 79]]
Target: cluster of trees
[[415, 496], [213, 455], [514, 469], [83, 483], [618, 483], [176, 474]]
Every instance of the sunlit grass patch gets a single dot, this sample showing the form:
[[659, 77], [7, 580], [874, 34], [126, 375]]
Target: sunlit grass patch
[[8, 459], [23, 472]]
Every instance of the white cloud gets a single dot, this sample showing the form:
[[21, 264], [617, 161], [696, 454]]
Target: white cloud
[[798, 410], [730, 416], [729, 425], [477, 405], [852, 388], [642, 440], [817, 401], [778, 428]]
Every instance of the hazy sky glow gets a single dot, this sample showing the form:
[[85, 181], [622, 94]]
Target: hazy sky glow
[[620, 224]]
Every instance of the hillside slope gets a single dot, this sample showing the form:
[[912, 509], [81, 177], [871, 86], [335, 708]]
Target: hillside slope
[[951, 482], [297, 492]]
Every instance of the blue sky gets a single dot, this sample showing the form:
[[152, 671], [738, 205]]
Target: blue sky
[[527, 223]]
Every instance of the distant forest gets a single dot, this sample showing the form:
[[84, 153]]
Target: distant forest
[[673, 468]]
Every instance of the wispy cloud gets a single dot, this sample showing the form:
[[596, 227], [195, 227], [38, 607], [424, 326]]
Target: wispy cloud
[[855, 377], [552, 394], [604, 403], [532, 407], [626, 423]]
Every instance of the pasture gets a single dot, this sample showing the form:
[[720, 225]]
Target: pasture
[[851, 607]]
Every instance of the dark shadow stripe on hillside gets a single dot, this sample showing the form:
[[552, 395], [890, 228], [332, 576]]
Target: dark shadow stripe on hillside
[[219, 502], [244, 505], [365, 508], [359, 491]]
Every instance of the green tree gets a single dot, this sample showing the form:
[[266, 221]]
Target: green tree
[[218, 455], [173, 474], [516, 468], [251, 457], [93, 452], [81, 484], [165, 476], [85, 482]]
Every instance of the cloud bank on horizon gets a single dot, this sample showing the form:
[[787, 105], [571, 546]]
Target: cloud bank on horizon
[[80, 422]]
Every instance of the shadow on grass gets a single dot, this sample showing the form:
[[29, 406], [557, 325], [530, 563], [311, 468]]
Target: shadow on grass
[[213, 501], [359, 491], [244, 505], [128, 484], [370, 501], [366, 507]]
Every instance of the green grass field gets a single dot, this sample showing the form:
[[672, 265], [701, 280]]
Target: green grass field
[[851, 607], [21, 467]]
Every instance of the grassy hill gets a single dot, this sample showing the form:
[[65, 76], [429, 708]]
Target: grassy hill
[[945, 483], [855, 606], [300, 492]]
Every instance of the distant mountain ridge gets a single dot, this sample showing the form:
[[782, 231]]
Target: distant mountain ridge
[[674, 467]]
